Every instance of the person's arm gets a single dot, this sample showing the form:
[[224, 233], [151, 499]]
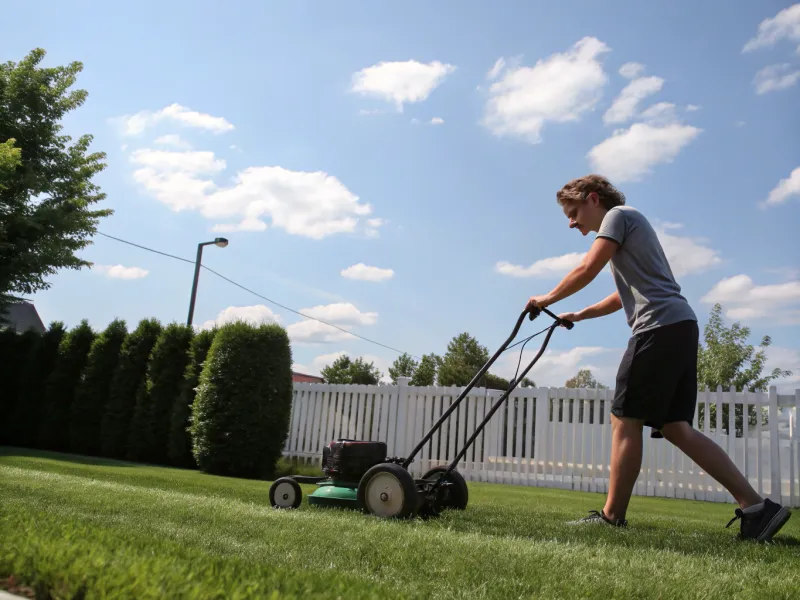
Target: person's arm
[[593, 262], [606, 306]]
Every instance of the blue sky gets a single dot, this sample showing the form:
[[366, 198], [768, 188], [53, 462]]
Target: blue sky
[[393, 170]]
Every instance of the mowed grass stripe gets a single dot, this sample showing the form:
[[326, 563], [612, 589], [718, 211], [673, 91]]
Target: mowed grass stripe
[[511, 541]]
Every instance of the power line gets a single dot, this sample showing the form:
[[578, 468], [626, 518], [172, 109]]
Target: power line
[[221, 276]]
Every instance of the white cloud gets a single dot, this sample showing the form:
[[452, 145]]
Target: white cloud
[[784, 25], [555, 266], [631, 70], [437, 121], [314, 332], [312, 204], [401, 82], [775, 78], [784, 359], [692, 107], [786, 188], [254, 315], [372, 227], [120, 271], [557, 89], [341, 314], [555, 367], [174, 140], [626, 104], [743, 299], [166, 160], [686, 256], [137, 123], [659, 113], [367, 273], [246, 224], [496, 69], [630, 154]]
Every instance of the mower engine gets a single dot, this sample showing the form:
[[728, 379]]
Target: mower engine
[[346, 461]]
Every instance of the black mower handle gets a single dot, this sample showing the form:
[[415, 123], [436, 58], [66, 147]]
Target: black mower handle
[[532, 313], [535, 312]]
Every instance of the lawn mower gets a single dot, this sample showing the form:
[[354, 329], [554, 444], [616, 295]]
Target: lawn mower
[[359, 475]]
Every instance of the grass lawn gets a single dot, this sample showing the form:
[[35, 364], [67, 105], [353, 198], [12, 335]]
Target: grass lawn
[[81, 527]]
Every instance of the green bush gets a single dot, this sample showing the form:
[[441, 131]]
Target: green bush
[[180, 447], [34, 373], [92, 394], [13, 357], [240, 417], [73, 353], [129, 375], [149, 434]]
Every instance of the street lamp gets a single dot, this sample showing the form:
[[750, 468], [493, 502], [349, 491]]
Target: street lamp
[[221, 242]]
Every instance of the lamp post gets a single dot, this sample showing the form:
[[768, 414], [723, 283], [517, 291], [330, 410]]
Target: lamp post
[[221, 242]]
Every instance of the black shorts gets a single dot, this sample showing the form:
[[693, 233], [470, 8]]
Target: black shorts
[[657, 377]]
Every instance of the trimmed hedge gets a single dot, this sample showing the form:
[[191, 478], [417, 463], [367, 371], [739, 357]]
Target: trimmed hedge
[[34, 373], [180, 445], [92, 394], [14, 354], [240, 415], [149, 434], [62, 384], [128, 377]]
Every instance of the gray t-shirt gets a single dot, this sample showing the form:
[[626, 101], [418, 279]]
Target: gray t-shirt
[[650, 295]]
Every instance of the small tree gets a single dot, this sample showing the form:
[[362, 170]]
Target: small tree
[[346, 370], [129, 375], [34, 373], [462, 361], [93, 391], [46, 187], [403, 366], [240, 416], [584, 379], [73, 354], [728, 361], [180, 446], [149, 434], [425, 373]]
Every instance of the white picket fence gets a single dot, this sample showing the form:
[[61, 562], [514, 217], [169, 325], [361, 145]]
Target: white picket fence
[[550, 437]]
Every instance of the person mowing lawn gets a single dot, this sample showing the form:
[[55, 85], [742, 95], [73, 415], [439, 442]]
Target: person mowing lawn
[[656, 383]]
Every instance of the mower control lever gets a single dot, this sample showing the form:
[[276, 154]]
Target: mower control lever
[[535, 312]]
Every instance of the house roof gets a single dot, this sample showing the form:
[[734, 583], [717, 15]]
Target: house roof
[[23, 316]]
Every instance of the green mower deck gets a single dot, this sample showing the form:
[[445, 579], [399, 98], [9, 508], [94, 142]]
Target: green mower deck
[[329, 495]]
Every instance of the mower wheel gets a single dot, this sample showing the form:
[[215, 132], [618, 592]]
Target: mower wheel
[[457, 495], [388, 490], [285, 493]]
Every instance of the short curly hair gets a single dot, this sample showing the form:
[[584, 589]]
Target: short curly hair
[[577, 190]]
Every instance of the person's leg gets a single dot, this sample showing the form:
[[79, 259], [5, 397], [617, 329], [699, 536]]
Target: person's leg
[[713, 460], [761, 518], [639, 396], [625, 464]]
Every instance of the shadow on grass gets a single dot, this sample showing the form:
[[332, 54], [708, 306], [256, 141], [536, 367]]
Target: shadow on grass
[[283, 467], [82, 459]]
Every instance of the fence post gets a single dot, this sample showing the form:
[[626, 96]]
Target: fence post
[[774, 446], [402, 418]]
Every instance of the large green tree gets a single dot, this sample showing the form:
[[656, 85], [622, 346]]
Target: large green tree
[[46, 189], [346, 370], [425, 373], [91, 396], [463, 359], [403, 366], [728, 360]]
